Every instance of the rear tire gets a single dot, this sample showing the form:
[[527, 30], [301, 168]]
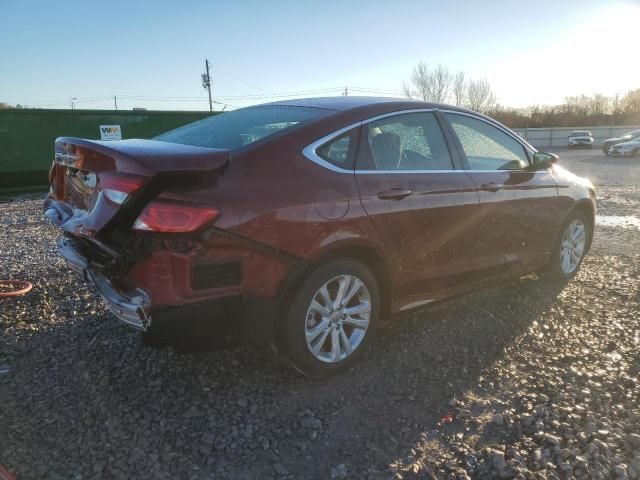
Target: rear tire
[[323, 334], [570, 249]]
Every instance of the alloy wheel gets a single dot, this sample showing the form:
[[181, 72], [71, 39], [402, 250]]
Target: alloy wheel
[[338, 318], [572, 246]]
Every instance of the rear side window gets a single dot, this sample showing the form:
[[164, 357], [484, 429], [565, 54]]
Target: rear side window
[[241, 127], [341, 151], [411, 141], [487, 147]]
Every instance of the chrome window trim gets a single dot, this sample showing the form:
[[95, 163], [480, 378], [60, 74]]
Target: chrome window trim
[[310, 150]]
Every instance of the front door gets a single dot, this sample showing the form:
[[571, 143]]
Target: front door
[[424, 209], [520, 208]]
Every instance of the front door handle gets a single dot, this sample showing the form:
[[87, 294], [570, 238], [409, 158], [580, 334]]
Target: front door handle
[[491, 187], [394, 194]]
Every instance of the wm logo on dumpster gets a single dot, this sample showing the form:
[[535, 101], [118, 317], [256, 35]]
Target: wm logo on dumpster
[[110, 132]]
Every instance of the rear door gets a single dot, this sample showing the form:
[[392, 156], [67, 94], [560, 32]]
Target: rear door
[[520, 211], [420, 202]]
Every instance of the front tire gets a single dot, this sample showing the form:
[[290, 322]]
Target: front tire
[[333, 318], [570, 247]]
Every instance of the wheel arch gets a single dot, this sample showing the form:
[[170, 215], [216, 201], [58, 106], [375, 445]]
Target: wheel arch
[[367, 255], [585, 207]]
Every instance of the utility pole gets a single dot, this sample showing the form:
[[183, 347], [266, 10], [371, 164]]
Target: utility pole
[[346, 92], [115, 102], [206, 83]]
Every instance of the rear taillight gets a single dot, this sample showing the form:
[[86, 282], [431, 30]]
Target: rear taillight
[[173, 217], [117, 187]]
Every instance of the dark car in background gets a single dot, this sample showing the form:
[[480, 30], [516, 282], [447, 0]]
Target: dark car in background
[[627, 137], [309, 221]]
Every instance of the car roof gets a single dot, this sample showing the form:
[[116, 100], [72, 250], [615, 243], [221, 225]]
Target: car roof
[[347, 103]]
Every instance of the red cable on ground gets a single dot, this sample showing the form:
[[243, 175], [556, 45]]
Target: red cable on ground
[[6, 474], [20, 287]]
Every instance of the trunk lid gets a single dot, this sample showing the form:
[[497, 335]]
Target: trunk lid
[[82, 169]]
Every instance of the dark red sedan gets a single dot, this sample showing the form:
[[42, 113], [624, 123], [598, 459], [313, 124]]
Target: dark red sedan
[[308, 221]]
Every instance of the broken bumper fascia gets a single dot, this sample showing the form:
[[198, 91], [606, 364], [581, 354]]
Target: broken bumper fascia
[[130, 307]]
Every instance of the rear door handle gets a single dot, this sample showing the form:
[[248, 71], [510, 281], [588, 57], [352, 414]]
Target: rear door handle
[[394, 194], [491, 187]]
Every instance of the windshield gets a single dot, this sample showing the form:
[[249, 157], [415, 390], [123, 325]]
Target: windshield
[[581, 134], [241, 127], [630, 136]]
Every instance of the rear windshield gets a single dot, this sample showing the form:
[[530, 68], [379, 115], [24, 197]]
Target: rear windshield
[[241, 127], [581, 134]]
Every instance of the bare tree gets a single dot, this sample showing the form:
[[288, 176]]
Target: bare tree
[[429, 85], [600, 104], [459, 89], [631, 101], [406, 89], [420, 83], [616, 105], [440, 83], [480, 97], [578, 105]]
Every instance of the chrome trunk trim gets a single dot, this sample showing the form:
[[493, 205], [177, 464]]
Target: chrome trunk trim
[[130, 307]]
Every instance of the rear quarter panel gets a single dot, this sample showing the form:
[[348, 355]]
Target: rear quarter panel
[[277, 198]]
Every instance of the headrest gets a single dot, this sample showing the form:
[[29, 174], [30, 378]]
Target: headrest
[[386, 150]]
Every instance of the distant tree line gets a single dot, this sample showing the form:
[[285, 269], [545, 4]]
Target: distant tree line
[[4, 106], [439, 85], [582, 111]]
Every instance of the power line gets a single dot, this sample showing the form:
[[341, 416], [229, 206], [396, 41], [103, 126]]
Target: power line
[[249, 97]]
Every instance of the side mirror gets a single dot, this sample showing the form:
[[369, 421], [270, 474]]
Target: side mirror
[[542, 160]]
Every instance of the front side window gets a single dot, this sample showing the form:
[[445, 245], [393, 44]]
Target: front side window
[[241, 127], [411, 141], [487, 147]]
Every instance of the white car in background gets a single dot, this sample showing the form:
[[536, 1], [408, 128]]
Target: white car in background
[[580, 138], [626, 149]]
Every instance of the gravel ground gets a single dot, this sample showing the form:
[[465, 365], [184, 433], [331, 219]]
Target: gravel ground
[[525, 380]]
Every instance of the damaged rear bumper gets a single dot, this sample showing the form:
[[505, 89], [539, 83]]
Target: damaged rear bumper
[[166, 293], [131, 307]]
